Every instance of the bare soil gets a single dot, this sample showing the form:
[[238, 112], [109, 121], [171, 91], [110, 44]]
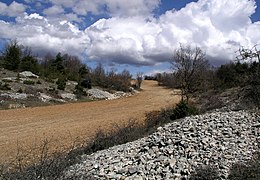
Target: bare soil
[[63, 124]]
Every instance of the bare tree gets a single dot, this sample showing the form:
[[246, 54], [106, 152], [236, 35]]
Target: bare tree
[[248, 54], [139, 78], [189, 63], [252, 56]]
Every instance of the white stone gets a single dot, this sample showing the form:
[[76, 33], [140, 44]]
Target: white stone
[[28, 74]]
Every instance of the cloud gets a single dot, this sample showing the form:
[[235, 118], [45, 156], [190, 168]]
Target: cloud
[[83, 7], [132, 35], [209, 24], [13, 10], [54, 10], [128, 8], [125, 40], [113, 8], [44, 35], [64, 3]]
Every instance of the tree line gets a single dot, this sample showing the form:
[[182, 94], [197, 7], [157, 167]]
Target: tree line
[[192, 73], [63, 67]]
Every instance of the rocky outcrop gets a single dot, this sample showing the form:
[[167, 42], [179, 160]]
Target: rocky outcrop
[[46, 98], [104, 95], [173, 152], [99, 94], [68, 96], [28, 74], [15, 95]]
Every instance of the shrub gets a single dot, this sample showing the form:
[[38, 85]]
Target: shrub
[[79, 91], [205, 173], [29, 82], [183, 109], [38, 82], [49, 80], [46, 166], [158, 118], [7, 80], [155, 119], [61, 83], [20, 90], [120, 134], [51, 89], [86, 83], [249, 170], [29, 63], [5, 86]]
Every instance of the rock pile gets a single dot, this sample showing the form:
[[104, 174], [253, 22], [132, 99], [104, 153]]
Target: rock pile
[[104, 95], [173, 151], [99, 94], [15, 95], [28, 74]]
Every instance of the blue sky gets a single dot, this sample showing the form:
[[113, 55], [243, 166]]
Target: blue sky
[[139, 35]]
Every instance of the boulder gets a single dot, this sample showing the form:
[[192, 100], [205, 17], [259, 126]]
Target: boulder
[[28, 74]]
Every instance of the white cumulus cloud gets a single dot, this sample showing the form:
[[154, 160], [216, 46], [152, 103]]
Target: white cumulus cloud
[[132, 35], [218, 27]]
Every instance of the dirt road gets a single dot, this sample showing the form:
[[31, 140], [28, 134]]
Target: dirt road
[[64, 123]]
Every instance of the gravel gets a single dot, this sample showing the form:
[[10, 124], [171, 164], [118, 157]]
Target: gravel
[[104, 95], [15, 95], [173, 151], [99, 94]]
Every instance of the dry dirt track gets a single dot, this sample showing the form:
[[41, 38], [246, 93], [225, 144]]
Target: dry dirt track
[[64, 123]]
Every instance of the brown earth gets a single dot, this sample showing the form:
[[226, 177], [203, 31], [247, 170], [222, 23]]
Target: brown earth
[[62, 124]]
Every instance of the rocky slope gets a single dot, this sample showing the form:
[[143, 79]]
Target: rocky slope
[[219, 138], [25, 89]]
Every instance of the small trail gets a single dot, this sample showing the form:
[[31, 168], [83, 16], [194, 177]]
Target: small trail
[[62, 124]]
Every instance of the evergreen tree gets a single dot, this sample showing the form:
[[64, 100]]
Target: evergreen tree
[[58, 63], [12, 56], [29, 63]]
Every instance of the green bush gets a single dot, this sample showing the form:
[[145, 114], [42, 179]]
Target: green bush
[[29, 82], [20, 90], [79, 91], [159, 118], [5, 86], [39, 82], [61, 83], [7, 80], [29, 63], [182, 110]]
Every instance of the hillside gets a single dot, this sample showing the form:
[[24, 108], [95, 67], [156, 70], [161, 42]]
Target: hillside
[[213, 141], [62, 124]]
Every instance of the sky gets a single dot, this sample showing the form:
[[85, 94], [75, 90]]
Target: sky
[[138, 35]]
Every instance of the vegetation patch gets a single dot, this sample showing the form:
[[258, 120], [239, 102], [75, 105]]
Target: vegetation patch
[[248, 170], [29, 82], [5, 86]]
